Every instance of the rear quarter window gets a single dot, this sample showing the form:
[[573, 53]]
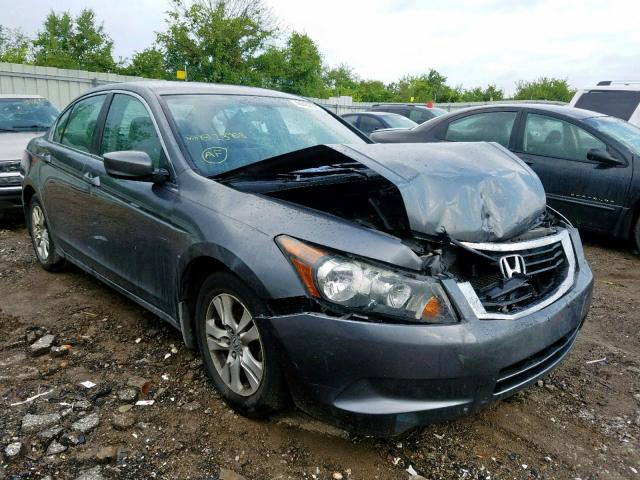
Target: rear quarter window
[[616, 103]]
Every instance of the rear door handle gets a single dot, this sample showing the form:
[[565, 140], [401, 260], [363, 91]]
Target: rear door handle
[[92, 179]]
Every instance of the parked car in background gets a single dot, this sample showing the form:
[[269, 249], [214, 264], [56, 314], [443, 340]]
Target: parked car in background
[[589, 163], [305, 261], [413, 111], [22, 117], [617, 99], [369, 122]]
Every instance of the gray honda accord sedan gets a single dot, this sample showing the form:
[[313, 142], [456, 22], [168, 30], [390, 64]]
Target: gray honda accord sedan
[[379, 287]]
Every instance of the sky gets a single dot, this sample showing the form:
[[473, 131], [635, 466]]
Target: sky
[[471, 42]]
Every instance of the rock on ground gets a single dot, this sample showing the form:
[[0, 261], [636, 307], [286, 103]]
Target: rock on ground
[[35, 423], [94, 473], [13, 450], [42, 346], [86, 424], [55, 448], [122, 421], [127, 394]]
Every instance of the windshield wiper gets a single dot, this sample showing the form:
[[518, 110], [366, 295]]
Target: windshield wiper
[[7, 130], [300, 175]]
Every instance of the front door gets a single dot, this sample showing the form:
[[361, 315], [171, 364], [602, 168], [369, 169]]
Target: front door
[[588, 193], [133, 239]]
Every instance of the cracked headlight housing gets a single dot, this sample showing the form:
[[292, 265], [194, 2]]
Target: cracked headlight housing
[[365, 288]]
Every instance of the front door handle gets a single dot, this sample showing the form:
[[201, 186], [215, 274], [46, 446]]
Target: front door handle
[[92, 179], [46, 157]]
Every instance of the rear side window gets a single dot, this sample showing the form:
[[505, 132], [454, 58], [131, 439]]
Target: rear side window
[[351, 119], [616, 103], [420, 115], [552, 137], [78, 132], [482, 127], [129, 127]]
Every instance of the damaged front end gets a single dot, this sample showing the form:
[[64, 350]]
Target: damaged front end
[[473, 213]]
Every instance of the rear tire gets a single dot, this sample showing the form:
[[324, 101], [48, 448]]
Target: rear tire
[[238, 358], [636, 234], [43, 245]]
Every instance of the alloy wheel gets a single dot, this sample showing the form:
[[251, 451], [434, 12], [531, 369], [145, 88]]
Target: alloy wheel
[[40, 233], [234, 344]]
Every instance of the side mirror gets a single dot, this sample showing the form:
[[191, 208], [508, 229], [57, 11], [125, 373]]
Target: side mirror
[[603, 157], [133, 165]]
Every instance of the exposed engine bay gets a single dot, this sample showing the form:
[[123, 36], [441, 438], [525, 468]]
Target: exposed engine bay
[[323, 178]]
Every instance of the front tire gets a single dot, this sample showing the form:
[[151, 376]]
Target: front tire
[[43, 245], [636, 234], [238, 358]]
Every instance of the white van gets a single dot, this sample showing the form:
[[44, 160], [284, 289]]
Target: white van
[[618, 99]]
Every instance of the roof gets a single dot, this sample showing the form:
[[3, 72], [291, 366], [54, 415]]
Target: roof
[[577, 113], [165, 87], [628, 85], [416, 105], [18, 95], [374, 112]]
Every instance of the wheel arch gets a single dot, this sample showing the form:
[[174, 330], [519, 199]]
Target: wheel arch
[[195, 268], [27, 194]]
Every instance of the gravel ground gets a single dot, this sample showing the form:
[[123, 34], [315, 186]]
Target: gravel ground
[[582, 421]]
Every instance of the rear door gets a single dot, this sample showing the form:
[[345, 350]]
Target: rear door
[[66, 190], [133, 239], [587, 192]]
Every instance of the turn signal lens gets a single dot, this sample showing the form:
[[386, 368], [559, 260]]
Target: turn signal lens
[[303, 257], [432, 308]]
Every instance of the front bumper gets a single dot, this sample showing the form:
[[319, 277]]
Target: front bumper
[[383, 379], [10, 197]]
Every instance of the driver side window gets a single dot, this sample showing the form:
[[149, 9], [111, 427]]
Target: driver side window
[[552, 137], [129, 127]]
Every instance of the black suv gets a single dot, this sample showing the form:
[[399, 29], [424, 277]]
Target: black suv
[[417, 113]]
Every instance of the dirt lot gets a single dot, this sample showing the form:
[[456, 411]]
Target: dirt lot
[[582, 422]]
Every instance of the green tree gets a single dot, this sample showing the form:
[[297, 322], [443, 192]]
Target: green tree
[[148, 63], [14, 45], [218, 40], [544, 88], [429, 87], [341, 80], [80, 43], [303, 74], [478, 94], [373, 91]]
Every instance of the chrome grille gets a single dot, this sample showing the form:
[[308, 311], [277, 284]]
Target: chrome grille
[[550, 266]]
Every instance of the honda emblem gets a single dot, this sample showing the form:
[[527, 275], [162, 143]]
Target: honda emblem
[[511, 265]]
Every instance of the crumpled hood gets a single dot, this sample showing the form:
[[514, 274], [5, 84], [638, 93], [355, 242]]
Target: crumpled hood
[[475, 192], [12, 144]]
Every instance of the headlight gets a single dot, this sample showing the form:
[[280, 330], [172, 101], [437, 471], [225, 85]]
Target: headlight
[[362, 287]]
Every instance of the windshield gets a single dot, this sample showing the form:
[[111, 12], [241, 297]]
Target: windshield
[[623, 132], [398, 121], [26, 114], [225, 132]]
